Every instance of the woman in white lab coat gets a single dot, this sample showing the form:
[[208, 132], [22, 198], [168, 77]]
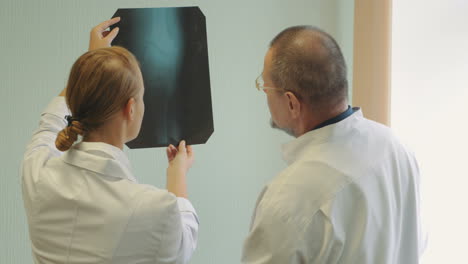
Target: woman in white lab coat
[[82, 201]]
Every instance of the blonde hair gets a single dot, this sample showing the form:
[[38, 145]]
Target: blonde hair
[[100, 84]]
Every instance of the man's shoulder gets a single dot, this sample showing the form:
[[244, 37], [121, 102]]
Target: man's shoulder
[[384, 139], [373, 129], [309, 175], [299, 191]]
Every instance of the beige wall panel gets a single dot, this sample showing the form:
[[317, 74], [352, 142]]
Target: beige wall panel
[[372, 58]]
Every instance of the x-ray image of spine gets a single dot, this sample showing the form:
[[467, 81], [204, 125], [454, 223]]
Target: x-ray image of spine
[[170, 44], [160, 50]]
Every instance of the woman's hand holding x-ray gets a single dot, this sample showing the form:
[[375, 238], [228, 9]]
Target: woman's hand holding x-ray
[[181, 157], [180, 161], [101, 37]]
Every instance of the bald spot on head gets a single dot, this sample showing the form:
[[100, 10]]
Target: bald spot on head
[[309, 62]]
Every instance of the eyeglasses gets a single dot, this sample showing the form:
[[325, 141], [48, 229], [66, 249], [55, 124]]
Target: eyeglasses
[[259, 83]]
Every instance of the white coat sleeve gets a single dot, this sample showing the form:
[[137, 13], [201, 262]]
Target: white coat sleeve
[[175, 229], [270, 240], [41, 148], [278, 236], [189, 223], [52, 121]]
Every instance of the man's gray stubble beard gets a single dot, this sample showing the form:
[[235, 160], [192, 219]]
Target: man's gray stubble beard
[[286, 130]]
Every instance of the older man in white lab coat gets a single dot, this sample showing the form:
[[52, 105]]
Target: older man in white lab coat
[[350, 191]]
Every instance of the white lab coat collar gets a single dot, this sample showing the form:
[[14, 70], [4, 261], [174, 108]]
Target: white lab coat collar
[[293, 150], [101, 158]]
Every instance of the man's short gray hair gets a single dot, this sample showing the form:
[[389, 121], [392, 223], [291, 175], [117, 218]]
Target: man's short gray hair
[[309, 62]]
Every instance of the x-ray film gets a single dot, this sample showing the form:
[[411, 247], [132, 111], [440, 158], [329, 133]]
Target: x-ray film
[[171, 46]]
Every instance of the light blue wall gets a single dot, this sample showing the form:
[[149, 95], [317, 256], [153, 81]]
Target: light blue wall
[[40, 40], [345, 35]]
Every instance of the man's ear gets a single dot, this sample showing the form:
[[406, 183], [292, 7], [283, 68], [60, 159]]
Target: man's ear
[[129, 109], [294, 104]]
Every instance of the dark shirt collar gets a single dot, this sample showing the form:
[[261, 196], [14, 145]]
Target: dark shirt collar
[[337, 118], [297, 148]]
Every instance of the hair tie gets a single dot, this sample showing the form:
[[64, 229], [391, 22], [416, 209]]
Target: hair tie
[[70, 120]]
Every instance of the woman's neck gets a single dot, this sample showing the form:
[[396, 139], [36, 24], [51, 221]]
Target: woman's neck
[[108, 134]]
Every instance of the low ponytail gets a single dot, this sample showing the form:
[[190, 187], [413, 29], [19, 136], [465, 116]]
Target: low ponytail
[[69, 135]]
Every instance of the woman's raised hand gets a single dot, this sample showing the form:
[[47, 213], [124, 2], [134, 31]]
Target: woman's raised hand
[[101, 37], [180, 160]]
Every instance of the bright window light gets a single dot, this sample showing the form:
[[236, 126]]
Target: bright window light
[[430, 113]]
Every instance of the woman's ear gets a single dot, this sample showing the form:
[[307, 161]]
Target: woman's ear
[[129, 109]]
